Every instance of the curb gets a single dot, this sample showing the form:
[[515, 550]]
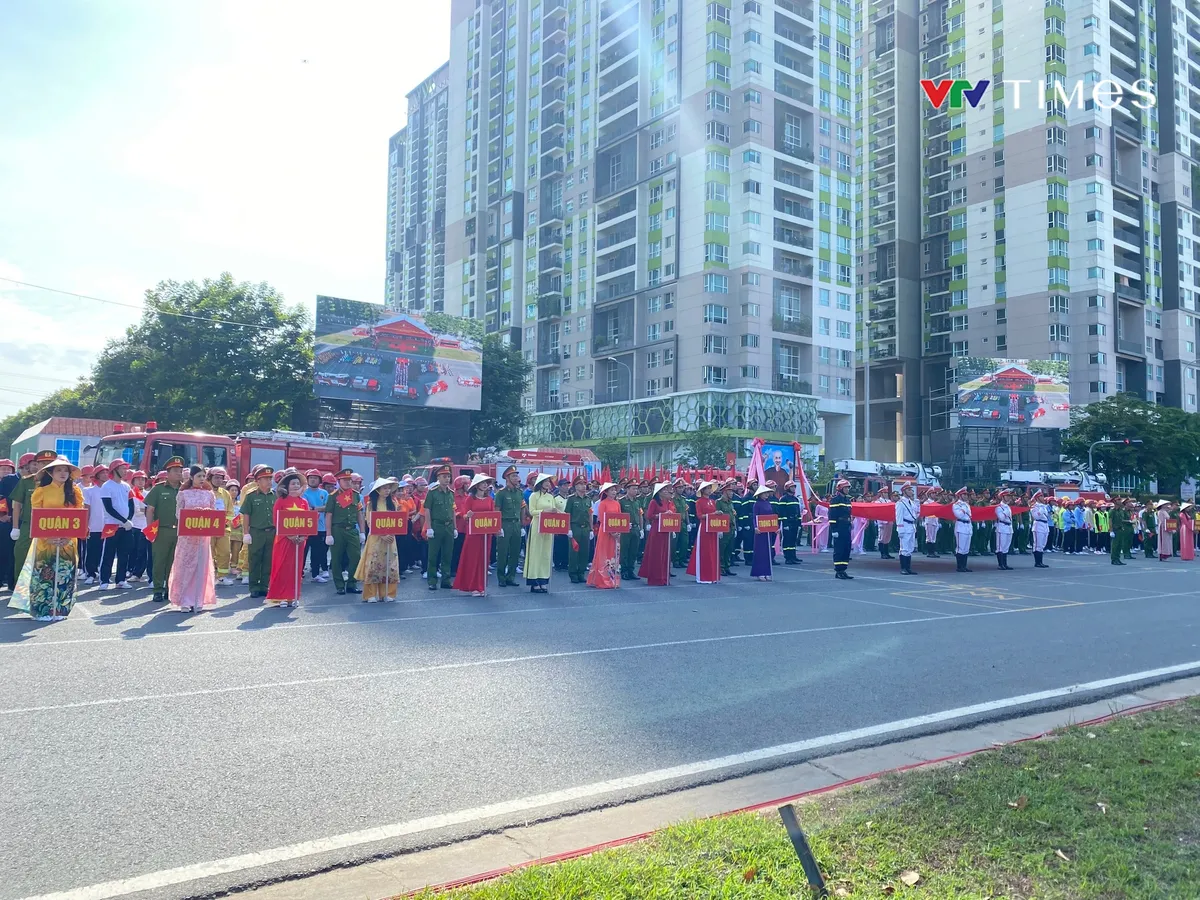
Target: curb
[[850, 782]]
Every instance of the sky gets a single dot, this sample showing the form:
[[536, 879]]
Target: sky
[[145, 140]]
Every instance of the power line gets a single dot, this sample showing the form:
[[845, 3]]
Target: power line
[[157, 309], [28, 377]]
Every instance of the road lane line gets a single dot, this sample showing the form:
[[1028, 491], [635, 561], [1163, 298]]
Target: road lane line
[[196, 871], [537, 657]]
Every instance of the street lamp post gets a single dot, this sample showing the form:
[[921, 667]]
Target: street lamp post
[[1126, 441], [629, 431]]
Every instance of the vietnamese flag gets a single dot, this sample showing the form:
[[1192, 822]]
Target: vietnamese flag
[[236, 521], [151, 531], [109, 531]]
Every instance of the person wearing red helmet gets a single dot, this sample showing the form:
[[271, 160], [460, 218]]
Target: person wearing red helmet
[[460, 485], [8, 480], [86, 479], [139, 547], [94, 551], [318, 553]]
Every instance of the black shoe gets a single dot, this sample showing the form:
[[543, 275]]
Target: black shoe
[[353, 589], [341, 591], [843, 576], [433, 587]]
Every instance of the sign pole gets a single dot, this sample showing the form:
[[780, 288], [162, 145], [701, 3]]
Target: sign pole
[[387, 568], [54, 595]]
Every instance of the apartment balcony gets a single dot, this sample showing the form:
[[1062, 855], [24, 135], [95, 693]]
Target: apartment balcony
[[550, 262], [792, 178], [553, 52], [883, 314], [550, 237], [608, 343], [553, 144], [553, 100], [626, 205], [624, 49], [617, 395], [553, 165], [1131, 348], [802, 10], [795, 149], [549, 403], [794, 209], [550, 284], [793, 238], [793, 32], [882, 334], [789, 324], [549, 357], [552, 215], [620, 234], [553, 26], [790, 59], [887, 351], [937, 346], [554, 77], [791, 384], [1131, 293], [550, 307], [553, 121], [617, 264], [793, 268]]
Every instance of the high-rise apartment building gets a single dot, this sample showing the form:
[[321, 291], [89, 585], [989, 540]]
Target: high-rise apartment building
[[1055, 225], [655, 200], [416, 212]]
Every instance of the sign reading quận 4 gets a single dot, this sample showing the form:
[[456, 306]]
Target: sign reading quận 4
[[201, 523]]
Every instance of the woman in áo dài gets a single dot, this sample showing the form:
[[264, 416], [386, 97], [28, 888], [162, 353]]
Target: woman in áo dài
[[1162, 515], [1187, 532], [379, 565], [656, 558], [288, 552], [762, 539], [191, 586], [606, 561], [47, 580], [540, 545], [705, 563], [472, 573]]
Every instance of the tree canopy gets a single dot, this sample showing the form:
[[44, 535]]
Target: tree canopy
[[1170, 448], [505, 378], [706, 446]]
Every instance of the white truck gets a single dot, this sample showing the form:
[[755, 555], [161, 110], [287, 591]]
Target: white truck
[[866, 475]]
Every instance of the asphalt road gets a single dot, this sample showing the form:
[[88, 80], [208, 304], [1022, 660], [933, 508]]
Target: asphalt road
[[135, 740]]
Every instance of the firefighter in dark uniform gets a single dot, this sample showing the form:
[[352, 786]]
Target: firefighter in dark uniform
[[788, 508], [745, 520], [839, 526]]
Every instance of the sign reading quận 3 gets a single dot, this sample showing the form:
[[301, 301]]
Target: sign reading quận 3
[[201, 523], [388, 522], [58, 523], [296, 522]]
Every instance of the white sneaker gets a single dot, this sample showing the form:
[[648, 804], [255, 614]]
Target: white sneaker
[[88, 580], [245, 579], [107, 586], [294, 604], [125, 585], [389, 599], [226, 581]]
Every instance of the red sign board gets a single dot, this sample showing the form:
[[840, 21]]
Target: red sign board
[[767, 523], [616, 523], [670, 522], [717, 522], [201, 523], [554, 523], [386, 521], [58, 523], [296, 522], [483, 521]]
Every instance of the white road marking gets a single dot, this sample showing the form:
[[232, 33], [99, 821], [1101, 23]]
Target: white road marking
[[561, 654], [509, 808]]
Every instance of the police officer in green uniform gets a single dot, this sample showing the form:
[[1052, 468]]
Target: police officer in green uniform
[[687, 521], [439, 528], [160, 508], [728, 538], [258, 524], [631, 540], [344, 523], [579, 508], [21, 507], [510, 502], [1122, 529]]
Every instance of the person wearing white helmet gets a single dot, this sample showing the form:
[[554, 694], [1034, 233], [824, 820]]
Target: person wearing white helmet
[[1004, 529], [963, 529], [908, 513]]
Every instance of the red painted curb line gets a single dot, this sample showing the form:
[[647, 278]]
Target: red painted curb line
[[850, 782]]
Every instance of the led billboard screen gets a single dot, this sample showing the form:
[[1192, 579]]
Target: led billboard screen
[[1013, 393]]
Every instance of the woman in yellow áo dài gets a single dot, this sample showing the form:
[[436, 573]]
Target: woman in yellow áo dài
[[46, 584]]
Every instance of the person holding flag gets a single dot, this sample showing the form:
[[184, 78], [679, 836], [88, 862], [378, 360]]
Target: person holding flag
[[472, 574], [705, 562], [118, 524], [47, 582], [346, 533], [191, 584]]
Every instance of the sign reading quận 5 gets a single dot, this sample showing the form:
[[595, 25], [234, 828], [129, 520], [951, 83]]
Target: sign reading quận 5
[[201, 523], [616, 523], [554, 523], [670, 522], [386, 521], [296, 522], [58, 523], [767, 523], [717, 522], [483, 522]]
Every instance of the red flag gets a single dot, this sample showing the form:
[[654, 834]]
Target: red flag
[[635, 472], [575, 545], [109, 531], [605, 475], [151, 531]]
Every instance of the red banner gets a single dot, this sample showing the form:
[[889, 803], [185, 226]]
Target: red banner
[[108, 531], [767, 523], [483, 521], [296, 522], [554, 523], [670, 522], [886, 512], [616, 523], [388, 522], [717, 522], [58, 523], [202, 523], [151, 531]]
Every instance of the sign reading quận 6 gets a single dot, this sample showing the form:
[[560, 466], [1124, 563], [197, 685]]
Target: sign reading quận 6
[[388, 522], [58, 523], [670, 522], [296, 522], [483, 522], [201, 523], [554, 523], [616, 523]]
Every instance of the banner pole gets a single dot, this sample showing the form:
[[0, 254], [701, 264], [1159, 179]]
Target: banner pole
[[54, 595]]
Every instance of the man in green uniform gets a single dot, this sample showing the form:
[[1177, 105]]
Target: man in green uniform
[[510, 501], [579, 508], [20, 507], [728, 538], [1149, 532], [345, 532], [631, 540], [682, 542], [1122, 531], [160, 508], [258, 524], [439, 528]]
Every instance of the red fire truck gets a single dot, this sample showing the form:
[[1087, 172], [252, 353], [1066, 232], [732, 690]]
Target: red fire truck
[[150, 449]]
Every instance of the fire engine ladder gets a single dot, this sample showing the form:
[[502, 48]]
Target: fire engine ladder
[[300, 437]]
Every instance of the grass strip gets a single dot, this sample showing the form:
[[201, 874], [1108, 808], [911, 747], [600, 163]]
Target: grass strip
[[1108, 811]]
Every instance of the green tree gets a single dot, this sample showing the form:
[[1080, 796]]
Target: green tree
[[505, 378], [1170, 448], [221, 356], [456, 325], [706, 446], [611, 453]]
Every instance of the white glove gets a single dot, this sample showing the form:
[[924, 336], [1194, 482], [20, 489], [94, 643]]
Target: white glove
[[328, 541], [127, 525], [524, 531], [362, 538], [429, 534], [501, 532], [691, 526], [247, 539], [456, 534], [15, 534]]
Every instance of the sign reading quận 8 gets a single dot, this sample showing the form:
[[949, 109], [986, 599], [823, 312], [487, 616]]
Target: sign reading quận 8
[[554, 523], [483, 522], [201, 523], [58, 523], [388, 522], [296, 522]]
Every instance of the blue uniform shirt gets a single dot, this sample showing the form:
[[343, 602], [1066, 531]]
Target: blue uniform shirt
[[317, 498], [1079, 521]]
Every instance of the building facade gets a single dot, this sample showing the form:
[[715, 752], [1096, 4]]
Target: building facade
[[416, 209], [655, 201]]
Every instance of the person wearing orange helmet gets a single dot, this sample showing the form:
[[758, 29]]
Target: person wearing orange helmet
[[461, 485], [318, 552], [8, 480]]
